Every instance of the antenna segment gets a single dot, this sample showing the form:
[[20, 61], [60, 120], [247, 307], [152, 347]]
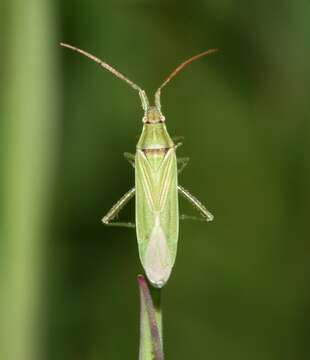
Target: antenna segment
[[144, 99], [177, 70]]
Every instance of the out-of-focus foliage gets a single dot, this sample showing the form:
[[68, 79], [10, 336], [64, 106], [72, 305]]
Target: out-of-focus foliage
[[28, 133], [240, 285]]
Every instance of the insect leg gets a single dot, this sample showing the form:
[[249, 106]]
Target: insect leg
[[117, 208], [175, 139], [189, 217], [131, 158], [182, 161], [178, 145], [206, 215]]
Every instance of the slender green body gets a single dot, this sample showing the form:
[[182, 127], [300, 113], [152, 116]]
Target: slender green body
[[157, 209], [156, 184]]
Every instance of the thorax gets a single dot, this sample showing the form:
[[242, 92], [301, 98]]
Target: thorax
[[155, 143], [154, 139]]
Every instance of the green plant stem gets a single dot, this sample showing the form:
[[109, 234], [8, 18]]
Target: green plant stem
[[151, 337], [29, 125]]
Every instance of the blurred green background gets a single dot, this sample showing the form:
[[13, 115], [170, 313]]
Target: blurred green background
[[240, 288]]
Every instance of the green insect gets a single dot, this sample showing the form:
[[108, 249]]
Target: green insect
[[156, 184]]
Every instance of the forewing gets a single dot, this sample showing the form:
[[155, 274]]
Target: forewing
[[157, 213]]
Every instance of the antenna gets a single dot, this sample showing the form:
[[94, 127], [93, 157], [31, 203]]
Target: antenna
[[177, 70], [144, 99]]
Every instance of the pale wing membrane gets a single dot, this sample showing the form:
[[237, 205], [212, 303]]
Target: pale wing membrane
[[157, 259]]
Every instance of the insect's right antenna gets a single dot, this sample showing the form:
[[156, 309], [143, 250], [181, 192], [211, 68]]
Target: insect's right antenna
[[144, 99], [177, 70]]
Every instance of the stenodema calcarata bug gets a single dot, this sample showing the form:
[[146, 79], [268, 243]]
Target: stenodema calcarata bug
[[156, 183]]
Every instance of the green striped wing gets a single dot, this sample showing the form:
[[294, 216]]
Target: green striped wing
[[157, 213]]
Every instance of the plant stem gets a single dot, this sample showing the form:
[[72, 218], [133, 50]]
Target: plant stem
[[151, 338], [29, 96]]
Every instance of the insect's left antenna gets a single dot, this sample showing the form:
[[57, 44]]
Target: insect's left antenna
[[144, 99], [177, 70]]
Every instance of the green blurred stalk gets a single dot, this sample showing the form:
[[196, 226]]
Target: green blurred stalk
[[29, 118], [151, 337]]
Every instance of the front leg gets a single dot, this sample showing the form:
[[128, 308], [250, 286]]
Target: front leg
[[177, 145], [182, 162], [130, 158], [117, 208]]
